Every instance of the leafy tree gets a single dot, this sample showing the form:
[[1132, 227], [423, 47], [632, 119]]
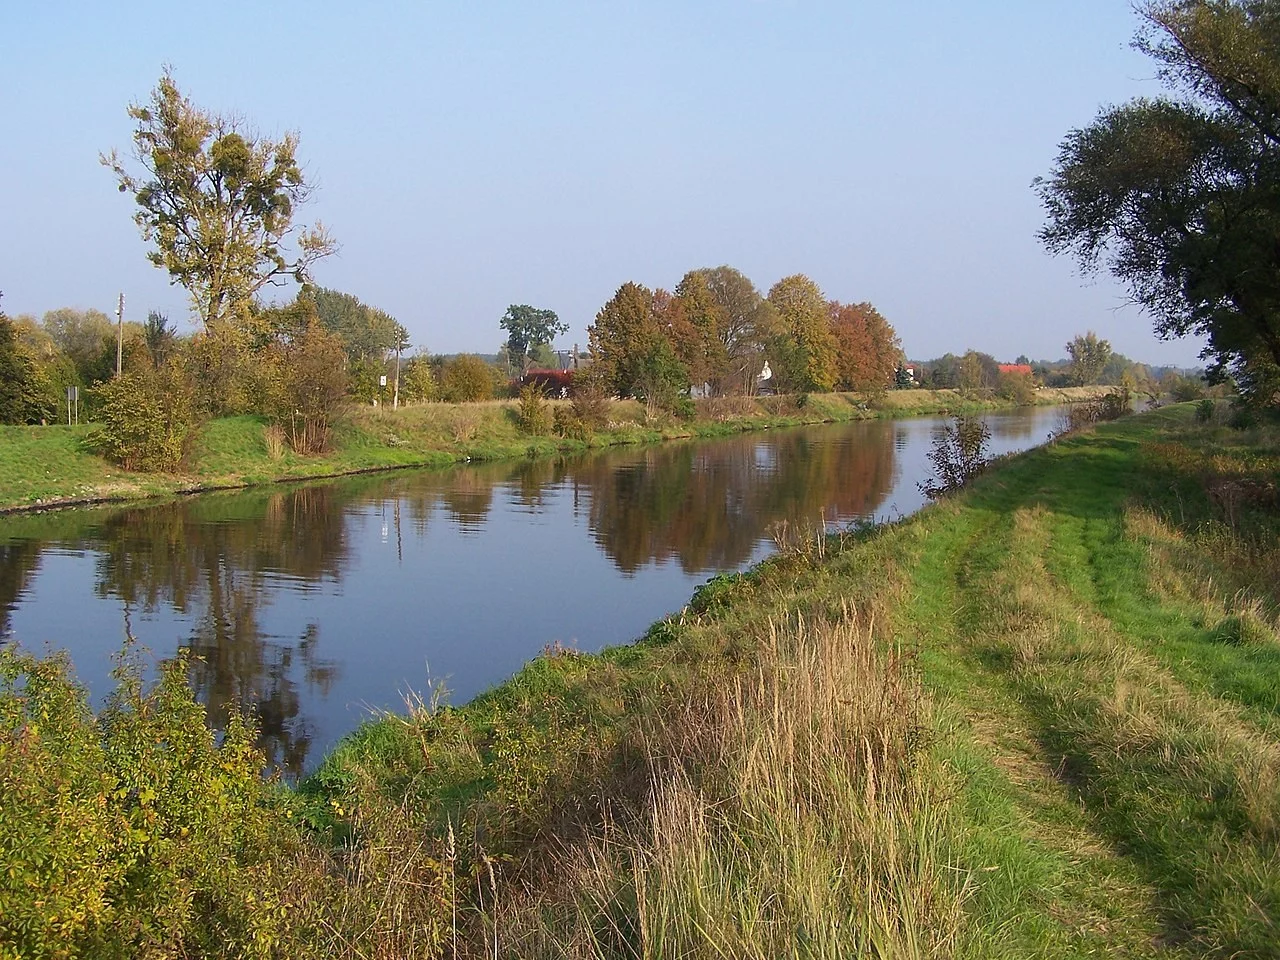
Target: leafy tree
[[1089, 357], [868, 352], [217, 204], [1180, 196], [158, 336], [730, 325], [698, 323], [901, 378], [366, 332], [19, 389], [527, 328], [619, 335], [87, 338], [805, 345], [977, 371], [660, 377], [417, 382]]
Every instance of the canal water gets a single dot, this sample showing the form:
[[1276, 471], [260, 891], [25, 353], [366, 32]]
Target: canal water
[[324, 603]]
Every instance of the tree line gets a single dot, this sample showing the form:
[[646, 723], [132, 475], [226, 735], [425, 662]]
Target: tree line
[[717, 334]]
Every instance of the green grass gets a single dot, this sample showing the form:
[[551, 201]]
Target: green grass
[[43, 466], [1092, 764]]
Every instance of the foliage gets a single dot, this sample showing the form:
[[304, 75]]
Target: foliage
[[618, 336], [977, 371], [804, 343], [535, 413], [725, 327], [367, 333], [590, 399], [868, 352], [158, 336], [217, 204], [466, 379], [417, 382], [146, 420], [1089, 357], [311, 387], [1204, 410], [136, 833], [660, 377], [1178, 195], [1079, 416], [24, 393], [1018, 387], [529, 327], [958, 455], [1183, 389], [87, 338]]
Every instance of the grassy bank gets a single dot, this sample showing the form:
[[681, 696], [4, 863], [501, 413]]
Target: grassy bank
[[48, 466], [1039, 719]]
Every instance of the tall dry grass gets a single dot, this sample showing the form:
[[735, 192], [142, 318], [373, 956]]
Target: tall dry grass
[[791, 812]]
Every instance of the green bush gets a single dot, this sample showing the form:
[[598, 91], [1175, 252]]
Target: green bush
[[466, 379], [535, 413], [138, 832], [1204, 410], [147, 418], [569, 424], [310, 389]]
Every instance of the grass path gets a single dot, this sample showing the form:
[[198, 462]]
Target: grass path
[[1138, 750]]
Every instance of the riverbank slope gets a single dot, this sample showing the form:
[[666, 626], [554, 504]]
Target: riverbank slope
[[42, 467], [1041, 718]]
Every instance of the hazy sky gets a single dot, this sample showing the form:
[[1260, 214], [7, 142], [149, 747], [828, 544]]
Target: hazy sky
[[470, 155]]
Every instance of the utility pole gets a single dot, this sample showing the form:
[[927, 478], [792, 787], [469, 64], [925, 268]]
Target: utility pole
[[120, 335], [395, 403]]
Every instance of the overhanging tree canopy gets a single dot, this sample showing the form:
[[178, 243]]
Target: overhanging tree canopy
[[1180, 196]]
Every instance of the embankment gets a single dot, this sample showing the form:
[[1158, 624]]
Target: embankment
[[42, 467]]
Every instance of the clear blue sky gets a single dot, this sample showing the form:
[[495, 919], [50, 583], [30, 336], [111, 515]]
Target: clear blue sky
[[473, 155]]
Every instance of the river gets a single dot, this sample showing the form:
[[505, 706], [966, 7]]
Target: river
[[326, 602]]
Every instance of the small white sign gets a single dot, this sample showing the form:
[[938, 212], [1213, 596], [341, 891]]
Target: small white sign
[[382, 380]]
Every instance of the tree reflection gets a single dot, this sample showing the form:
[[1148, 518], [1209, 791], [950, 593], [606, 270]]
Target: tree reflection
[[708, 506], [19, 560], [219, 558]]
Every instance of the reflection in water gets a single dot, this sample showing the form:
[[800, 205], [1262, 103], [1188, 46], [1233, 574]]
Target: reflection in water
[[314, 603]]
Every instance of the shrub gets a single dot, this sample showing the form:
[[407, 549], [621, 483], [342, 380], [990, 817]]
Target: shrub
[[135, 833], [591, 402], [959, 454], [1078, 416], [417, 383], [1018, 387], [535, 415], [310, 389], [1204, 410], [466, 379], [570, 425], [1184, 389], [147, 418], [683, 408], [1243, 417]]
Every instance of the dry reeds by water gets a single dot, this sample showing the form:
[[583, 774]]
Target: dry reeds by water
[[790, 812]]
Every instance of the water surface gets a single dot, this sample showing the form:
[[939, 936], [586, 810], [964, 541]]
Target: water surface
[[321, 603]]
